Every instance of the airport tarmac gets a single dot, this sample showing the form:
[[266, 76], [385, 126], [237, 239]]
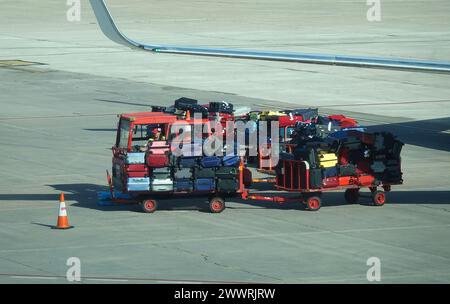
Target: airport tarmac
[[62, 85]]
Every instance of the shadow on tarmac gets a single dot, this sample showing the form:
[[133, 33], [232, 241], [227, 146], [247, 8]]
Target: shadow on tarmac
[[86, 196], [430, 133]]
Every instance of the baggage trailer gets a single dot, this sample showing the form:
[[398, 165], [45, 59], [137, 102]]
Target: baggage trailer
[[295, 176], [308, 196], [143, 169]]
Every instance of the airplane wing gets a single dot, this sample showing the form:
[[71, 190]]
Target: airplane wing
[[109, 28]]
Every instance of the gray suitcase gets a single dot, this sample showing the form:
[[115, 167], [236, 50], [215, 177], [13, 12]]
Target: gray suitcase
[[161, 173], [135, 158], [184, 173], [162, 185]]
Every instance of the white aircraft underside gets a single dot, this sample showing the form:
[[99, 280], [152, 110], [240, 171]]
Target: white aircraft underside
[[109, 28]]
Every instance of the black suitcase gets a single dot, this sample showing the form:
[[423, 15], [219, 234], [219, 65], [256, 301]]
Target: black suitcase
[[204, 172], [226, 172], [227, 185], [197, 109], [158, 109], [322, 131], [221, 107], [396, 149], [315, 178], [185, 103], [308, 154], [307, 114], [351, 142], [286, 156], [170, 110]]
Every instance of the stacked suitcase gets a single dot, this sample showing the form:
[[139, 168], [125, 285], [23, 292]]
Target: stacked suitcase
[[161, 180], [344, 157], [205, 174], [163, 172]]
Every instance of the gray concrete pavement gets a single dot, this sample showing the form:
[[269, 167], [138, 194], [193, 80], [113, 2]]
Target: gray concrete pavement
[[58, 120]]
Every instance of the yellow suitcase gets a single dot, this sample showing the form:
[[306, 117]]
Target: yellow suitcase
[[327, 160], [266, 114]]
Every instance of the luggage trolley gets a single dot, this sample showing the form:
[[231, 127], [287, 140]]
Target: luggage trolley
[[149, 203], [295, 175]]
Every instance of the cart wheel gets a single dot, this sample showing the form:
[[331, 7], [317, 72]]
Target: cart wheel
[[352, 196], [379, 198], [149, 206], [216, 204], [313, 203]]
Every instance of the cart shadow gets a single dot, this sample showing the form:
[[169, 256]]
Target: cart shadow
[[86, 196]]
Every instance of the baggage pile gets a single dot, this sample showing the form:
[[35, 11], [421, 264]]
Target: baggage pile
[[338, 157], [213, 110], [158, 170], [316, 153]]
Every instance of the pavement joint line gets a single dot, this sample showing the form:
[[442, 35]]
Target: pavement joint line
[[217, 238], [59, 116]]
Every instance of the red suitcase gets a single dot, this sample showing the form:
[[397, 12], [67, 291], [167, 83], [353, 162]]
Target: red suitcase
[[330, 182], [134, 168], [138, 174], [157, 160]]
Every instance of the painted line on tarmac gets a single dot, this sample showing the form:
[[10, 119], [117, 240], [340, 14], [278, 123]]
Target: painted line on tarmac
[[33, 277], [383, 103], [108, 280], [221, 238]]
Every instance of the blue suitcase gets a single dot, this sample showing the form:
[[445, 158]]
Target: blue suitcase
[[231, 161], [138, 184], [204, 184], [188, 162], [184, 185], [330, 172], [210, 162]]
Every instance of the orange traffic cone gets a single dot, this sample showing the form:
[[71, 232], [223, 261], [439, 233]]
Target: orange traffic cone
[[63, 220]]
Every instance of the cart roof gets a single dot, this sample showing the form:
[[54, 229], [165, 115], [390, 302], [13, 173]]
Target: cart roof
[[149, 117], [157, 118]]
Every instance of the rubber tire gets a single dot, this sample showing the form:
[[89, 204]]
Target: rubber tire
[[378, 198], [352, 196], [216, 204], [313, 203], [149, 206]]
